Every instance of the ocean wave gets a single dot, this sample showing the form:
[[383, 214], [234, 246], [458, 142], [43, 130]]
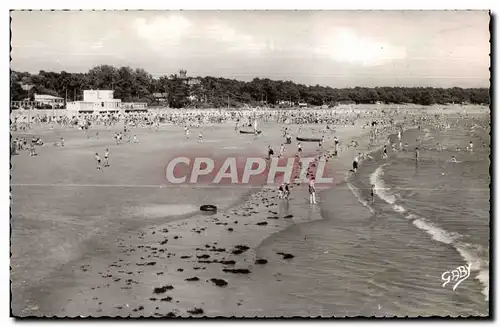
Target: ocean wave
[[470, 255], [380, 188], [469, 252]]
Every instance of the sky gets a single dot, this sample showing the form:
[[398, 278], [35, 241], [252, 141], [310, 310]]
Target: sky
[[331, 48]]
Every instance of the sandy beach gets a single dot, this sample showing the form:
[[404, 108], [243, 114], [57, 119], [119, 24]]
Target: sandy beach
[[121, 242]]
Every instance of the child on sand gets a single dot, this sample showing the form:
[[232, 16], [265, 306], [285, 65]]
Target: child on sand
[[106, 158], [32, 149], [280, 192], [98, 161], [286, 194], [270, 152]]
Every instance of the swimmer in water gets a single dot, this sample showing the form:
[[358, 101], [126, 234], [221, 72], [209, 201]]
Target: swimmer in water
[[453, 159], [471, 146]]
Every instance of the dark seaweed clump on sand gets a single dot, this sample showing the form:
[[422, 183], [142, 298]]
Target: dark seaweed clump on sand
[[219, 282], [286, 255], [163, 289], [237, 271], [239, 249]]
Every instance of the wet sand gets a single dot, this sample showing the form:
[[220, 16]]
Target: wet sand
[[109, 251]]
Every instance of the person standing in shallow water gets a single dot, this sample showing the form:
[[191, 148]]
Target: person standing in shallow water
[[372, 193], [417, 155], [312, 191]]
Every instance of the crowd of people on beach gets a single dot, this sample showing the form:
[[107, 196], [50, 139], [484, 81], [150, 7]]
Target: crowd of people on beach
[[378, 122]]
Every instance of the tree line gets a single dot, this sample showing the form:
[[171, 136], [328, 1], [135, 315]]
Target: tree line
[[176, 90]]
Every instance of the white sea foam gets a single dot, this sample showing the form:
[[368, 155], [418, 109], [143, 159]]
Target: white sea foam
[[358, 196], [468, 252], [380, 188]]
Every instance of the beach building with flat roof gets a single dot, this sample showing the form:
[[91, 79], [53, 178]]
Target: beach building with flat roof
[[48, 99], [96, 101]]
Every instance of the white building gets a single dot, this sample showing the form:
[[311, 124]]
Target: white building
[[48, 99], [96, 101]]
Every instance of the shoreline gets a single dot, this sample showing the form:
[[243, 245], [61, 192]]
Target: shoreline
[[195, 236]]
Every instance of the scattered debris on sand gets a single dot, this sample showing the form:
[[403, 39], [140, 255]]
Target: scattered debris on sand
[[195, 311]]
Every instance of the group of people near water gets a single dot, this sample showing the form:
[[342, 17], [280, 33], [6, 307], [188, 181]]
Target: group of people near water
[[328, 118]]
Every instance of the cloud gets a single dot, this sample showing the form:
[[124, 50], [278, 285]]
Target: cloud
[[163, 32], [344, 45], [234, 40]]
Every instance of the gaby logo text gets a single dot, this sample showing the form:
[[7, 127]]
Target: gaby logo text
[[457, 275], [251, 170]]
